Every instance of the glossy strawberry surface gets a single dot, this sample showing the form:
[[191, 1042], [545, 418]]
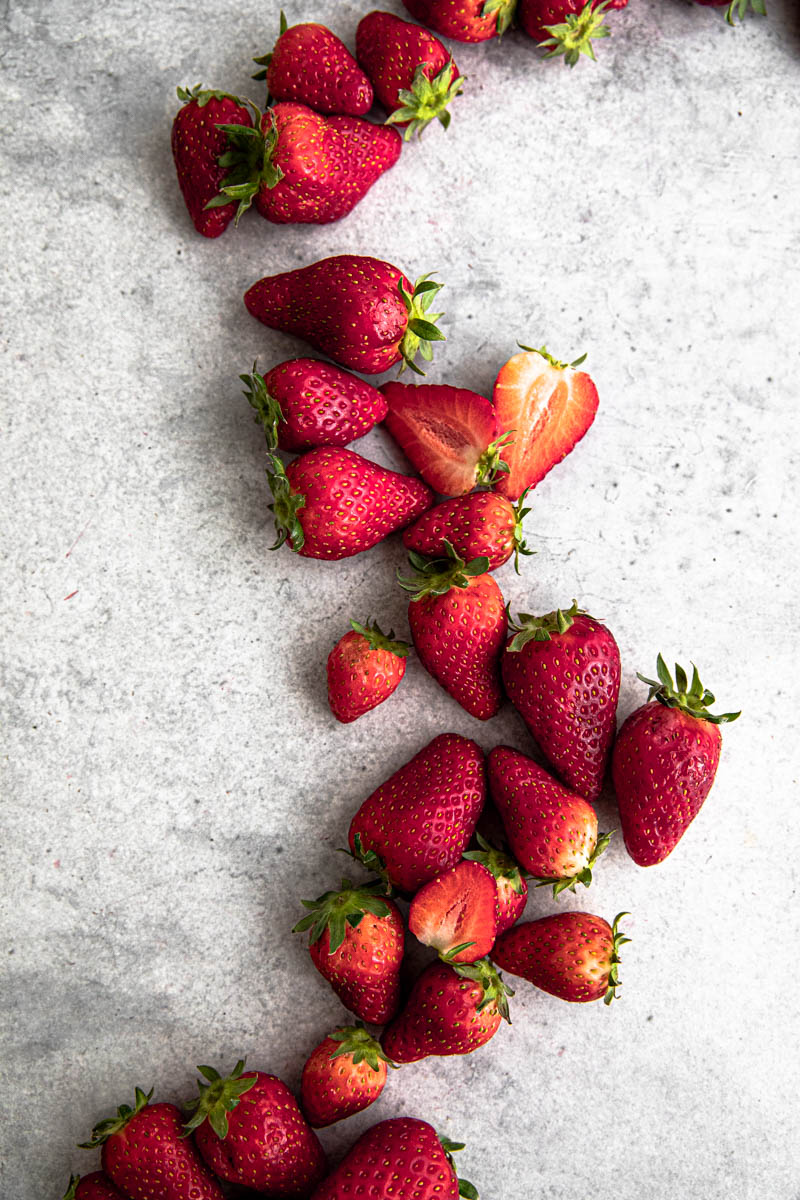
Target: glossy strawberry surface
[[481, 524], [337, 1084], [96, 1186], [321, 404], [398, 1159], [464, 20], [150, 1159], [570, 955], [197, 145], [364, 669], [442, 1016], [309, 64], [365, 970]]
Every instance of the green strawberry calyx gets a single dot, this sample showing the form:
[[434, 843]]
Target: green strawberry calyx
[[486, 974], [518, 535], [421, 329], [267, 409], [264, 60], [502, 865], [490, 464], [528, 628], [568, 883], [505, 10], [72, 1187], [371, 861], [619, 940], [465, 1188], [217, 1097], [335, 911], [427, 99], [104, 1129], [691, 698], [738, 8], [575, 35], [285, 507], [554, 362], [249, 157], [360, 1045], [381, 641], [201, 95], [436, 576]]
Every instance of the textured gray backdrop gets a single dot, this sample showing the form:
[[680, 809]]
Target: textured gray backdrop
[[173, 780]]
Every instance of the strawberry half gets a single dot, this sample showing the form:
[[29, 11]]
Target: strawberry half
[[456, 913]]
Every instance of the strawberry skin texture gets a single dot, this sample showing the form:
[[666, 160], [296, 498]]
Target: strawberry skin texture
[[269, 1146], [568, 955], [510, 904], [359, 678], [566, 691], [534, 16], [390, 50], [549, 409], [365, 970], [442, 430], [97, 1187], [461, 20], [196, 146], [440, 1018], [150, 1159], [398, 1159], [311, 65], [322, 405], [421, 819], [334, 1088], [458, 906], [663, 766], [480, 525]]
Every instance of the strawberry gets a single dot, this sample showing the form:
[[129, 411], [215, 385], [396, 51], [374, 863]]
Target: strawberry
[[92, 1187], [464, 20], [566, 27], [364, 668], [331, 503], [342, 1076], [360, 311], [414, 76], [447, 433], [562, 673], [736, 8], [458, 622], [480, 525], [304, 403], [146, 1155], [572, 955], [551, 830], [419, 822], [399, 1159], [198, 144], [548, 406], [664, 762], [510, 885], [309, 64], [250, 1131], [456, 913], [356, 943]]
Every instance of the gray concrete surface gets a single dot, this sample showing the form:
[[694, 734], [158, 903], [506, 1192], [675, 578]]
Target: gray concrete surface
[[173, 782]]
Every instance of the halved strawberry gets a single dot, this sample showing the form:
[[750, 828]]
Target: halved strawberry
[[546, 406], [447, 433], [456, 913]]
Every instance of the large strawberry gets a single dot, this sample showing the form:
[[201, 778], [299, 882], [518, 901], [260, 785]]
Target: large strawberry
[[356, 943], [449, 435], [456, 913], [364, 668], [458, 622], [331, 503], [399, 1159], [360, 311], [420, 821], [464, 20], [512, 889], [345, 1074], [566, 27], [414, 76], [664, 762], [736, 8], [198, 145], [146, 1155], [549, 406], [562, 673], [96, 1186], [250, 1131], [309, 64], [572, 955], [480, 525]]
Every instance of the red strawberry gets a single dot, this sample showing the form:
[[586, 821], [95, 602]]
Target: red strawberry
[[447, 433], [452, 1009], [92, 1187], [356, 943], [456, 913], [548, 406], [398, 1159], [413, 75], [361, 312], [309, 64], [146, 1155], [420, 821], [736, 8], [331, 503], [364, 668], [551, 831], [464, 20], [562, 674], [566, 27], [664, 762], [480, 525], [511, 888], [344, 1075], [250, 1130], [458, 622], [572, 955], [197, 147]]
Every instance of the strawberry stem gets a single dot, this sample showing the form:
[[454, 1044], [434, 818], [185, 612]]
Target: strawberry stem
[[334, 911], [427, 99], [738, 8], [219, 1096], [505, 10], [574, 37], [285, 507], [421, 329], [613, 974], [436, 576], [268, 410], [361, 1045], [381, 641], [692, 699], [104, 1129], [528, 628]]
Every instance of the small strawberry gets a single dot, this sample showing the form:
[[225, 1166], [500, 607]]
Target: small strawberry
[[572, 955], [551, 830], [566, 27], [512, 890], [309, 64], [464, 20], [480, 525], [364, 668], [736, 8], [548, 406], [92, 1187], [398, 1159], [360, 311], [250, 1131], [452, 1009], [331, 503], [146, 1155], [458, 622], [419, 822], [198, 145], [345, 1074], [448, 434], [664, 762], [356, 943], [456, 913], [414, 76], [562, 674]]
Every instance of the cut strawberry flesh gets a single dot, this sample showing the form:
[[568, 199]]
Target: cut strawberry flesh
[[458, 907], [443, 431]]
